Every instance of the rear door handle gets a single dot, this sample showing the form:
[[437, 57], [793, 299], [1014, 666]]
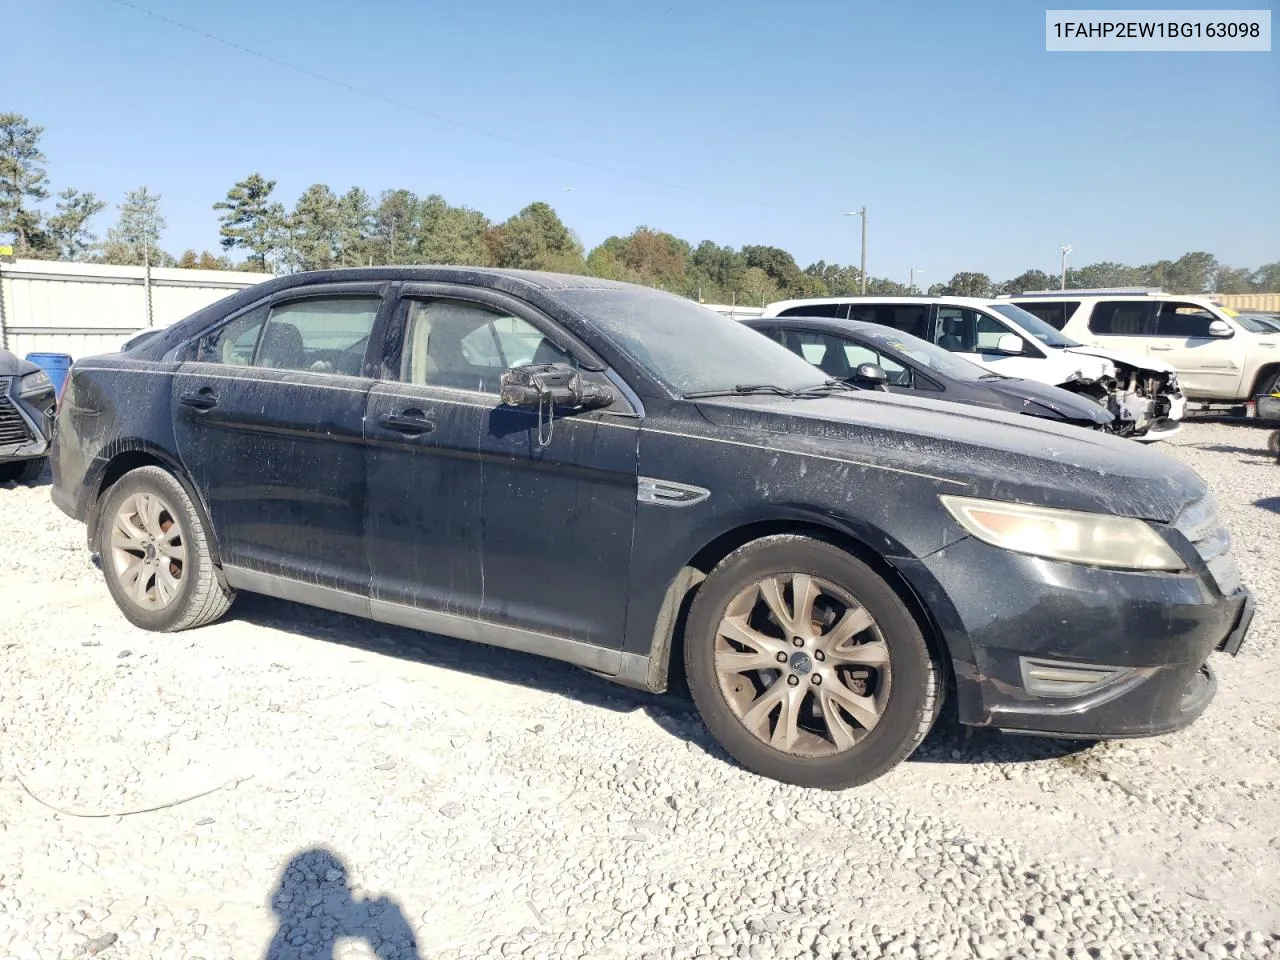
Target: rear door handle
[[202, 399], [1156, 346], [409, 422]]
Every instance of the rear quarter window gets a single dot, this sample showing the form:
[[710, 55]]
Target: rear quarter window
[[1120, 318]]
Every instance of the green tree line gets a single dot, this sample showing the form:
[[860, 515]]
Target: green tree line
[[324, 229]]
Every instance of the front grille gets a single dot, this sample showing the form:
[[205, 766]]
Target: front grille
[[13, 429], [1199, 523]]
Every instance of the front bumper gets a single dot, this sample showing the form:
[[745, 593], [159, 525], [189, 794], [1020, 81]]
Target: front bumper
[[1150, 635]]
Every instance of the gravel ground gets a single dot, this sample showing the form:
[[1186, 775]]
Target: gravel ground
[[341, 788]]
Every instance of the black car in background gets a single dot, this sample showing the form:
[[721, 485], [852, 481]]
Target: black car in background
[[26, 418], [913, 365], [622, 479]]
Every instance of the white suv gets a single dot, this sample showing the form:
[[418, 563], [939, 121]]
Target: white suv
[[1218, 358], [1141, 392]]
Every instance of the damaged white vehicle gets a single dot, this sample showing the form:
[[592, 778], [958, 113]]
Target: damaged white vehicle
[[1141, 392]]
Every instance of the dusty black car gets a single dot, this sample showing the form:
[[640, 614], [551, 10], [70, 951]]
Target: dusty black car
[[26, 419], [911, 365], [614, 477]]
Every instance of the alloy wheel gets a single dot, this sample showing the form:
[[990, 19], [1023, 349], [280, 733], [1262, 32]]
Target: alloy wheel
[[802, 665], [148, 552]]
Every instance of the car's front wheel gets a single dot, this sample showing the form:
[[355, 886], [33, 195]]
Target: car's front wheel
[[807, 667], [155, 554]]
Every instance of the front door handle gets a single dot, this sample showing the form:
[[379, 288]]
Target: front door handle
[[1157, 346], [409, 422], [202, 399]]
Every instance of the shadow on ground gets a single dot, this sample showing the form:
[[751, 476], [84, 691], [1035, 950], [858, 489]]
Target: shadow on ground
[[1268, 503], [315, 907], [948, 742]]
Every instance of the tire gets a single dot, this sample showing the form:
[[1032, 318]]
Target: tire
[[883, 668], [1267, 386], [1273, 443], [135, 525], [22, 471]]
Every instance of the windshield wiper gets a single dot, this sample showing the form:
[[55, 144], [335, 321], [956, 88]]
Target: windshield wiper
[[827, 386], [742, 390]]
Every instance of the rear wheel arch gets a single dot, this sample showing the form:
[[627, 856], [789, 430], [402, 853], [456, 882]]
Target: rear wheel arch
[[667, 646], [120, 462]]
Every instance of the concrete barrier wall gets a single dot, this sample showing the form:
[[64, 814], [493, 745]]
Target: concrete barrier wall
[[87, 308]]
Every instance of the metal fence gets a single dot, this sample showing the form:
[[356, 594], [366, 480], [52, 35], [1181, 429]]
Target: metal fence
[[1244, 302], [87, 308]]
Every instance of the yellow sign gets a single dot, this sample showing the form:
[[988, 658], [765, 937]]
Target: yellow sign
[[6, 251]]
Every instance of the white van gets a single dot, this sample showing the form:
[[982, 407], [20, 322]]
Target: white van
[[1142, 392]]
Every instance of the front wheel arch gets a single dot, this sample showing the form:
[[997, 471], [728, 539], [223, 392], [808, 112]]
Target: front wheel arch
[[667, 646]]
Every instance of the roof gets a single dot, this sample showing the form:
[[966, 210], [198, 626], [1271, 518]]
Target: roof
[[539, 279], [777, 305]]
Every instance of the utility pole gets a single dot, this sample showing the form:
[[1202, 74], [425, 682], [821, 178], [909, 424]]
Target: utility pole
[[146, 267], [1066, 248], [911, 284], [862, 212]]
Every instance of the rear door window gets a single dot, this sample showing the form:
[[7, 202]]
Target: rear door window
[[319, 335], [813, 310], [912, 318], [232, 343], [1121, 318]]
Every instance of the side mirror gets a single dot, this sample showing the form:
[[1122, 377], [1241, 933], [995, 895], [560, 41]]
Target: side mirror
[[1009, 343], [552, 385], [870, 376], [1220, 328]]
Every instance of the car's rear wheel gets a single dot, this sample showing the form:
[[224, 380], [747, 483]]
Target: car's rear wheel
[[22, 471], [155, 554], [807, 667]]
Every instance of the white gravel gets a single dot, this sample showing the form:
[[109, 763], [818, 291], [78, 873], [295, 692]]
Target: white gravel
[[383, 793]]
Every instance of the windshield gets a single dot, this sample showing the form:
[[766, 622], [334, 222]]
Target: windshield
[[1257, 324], [928, 355], [687, 347], [1033, 325]]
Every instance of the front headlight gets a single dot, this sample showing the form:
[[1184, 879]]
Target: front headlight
[[34, 383], [1076, 537]]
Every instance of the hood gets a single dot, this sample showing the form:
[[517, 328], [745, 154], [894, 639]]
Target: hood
[[1070, 406], [11, 365], [998, 455], [1129, 359]]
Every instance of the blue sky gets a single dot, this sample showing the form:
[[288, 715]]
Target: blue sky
[[972, 148]]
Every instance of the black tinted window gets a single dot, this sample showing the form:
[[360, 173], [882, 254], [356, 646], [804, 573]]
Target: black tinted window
[[1183, 321], [1120, 318], [813, 310], [912, 318], [1053, 312]]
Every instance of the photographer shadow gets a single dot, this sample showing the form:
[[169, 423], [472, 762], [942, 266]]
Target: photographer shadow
[[316, 908]]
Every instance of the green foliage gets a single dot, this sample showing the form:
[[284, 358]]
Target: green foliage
[[1266, 279], [965, 285], [203, 261], [1029, 280], [23, 183], [536, 239], [135, 239], [250, 221], [69, 237]]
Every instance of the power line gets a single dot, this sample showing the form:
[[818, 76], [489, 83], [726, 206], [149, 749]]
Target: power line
[[440, 118]]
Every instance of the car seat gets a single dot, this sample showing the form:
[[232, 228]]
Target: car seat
[[548, 352], [834, 363], [281, 347], [948, 340]]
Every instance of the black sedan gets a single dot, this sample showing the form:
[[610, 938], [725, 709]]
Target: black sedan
[[26, 419], [911, 365], [624, 480]]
